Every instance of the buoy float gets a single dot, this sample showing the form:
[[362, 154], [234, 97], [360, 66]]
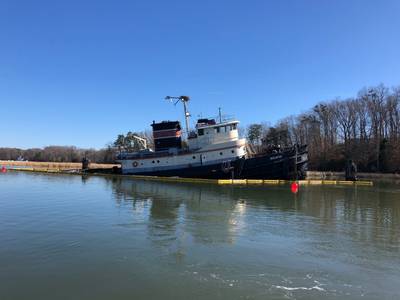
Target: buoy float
[[3, 169], [294, 187]]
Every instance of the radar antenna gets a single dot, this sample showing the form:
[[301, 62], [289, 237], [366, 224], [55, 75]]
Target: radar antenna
[[184, 100]]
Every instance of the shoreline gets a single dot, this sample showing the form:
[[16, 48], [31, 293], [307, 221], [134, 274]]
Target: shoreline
[[54, 165], [241, 182], [63, 166], [329, 175]]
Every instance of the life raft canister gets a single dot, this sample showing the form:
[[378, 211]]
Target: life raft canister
[[135, 164]]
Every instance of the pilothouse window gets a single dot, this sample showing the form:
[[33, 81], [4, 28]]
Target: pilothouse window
[[200, 132]]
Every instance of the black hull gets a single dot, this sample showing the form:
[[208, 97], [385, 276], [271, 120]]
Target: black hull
[[267, 166], [290, 164]]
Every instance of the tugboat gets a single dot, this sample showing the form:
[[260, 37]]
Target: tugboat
[[212, 150]]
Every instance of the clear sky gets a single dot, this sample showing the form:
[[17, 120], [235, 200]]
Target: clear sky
[[81, 72]]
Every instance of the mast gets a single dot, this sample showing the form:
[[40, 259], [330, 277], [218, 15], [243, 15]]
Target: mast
[[184, 100]]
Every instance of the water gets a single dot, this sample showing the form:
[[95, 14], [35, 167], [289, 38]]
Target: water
[[68, 237]]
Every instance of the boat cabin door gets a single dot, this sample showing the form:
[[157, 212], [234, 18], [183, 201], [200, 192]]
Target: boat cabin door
[[202, 159]]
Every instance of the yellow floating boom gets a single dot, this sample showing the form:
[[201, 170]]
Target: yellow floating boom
[[215, 181]]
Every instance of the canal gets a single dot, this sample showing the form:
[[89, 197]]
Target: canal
[[74, 237]]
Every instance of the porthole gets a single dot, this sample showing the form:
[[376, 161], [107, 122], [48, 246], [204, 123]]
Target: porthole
[[153, 161], [232, 151], [194, 157], [220, 153], [158, 161]]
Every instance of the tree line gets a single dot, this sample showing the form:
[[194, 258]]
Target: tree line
[[126, 142], [364, 129], [59, 154]]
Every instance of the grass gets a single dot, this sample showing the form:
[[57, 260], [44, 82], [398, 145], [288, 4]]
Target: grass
[[53, 165]]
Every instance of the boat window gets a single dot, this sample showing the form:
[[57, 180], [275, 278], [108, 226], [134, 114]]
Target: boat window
[[158, 161], [220, 153], [232, 151], [153, 161], [233, 126], [200, 131], [194, 157], [217, 129]]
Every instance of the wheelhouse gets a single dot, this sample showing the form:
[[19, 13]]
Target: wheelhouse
[[209, 132]]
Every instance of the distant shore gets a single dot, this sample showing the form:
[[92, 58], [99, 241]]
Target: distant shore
[[54, 165]]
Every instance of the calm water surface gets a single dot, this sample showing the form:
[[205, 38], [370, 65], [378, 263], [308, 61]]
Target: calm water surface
[[69, 237]]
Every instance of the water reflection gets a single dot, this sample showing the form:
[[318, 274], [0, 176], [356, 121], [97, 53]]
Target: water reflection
[[213, 214], [367, 214], [177, 210]]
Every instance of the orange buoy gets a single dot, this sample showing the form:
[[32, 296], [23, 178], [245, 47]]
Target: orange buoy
[[3, 169], [294, 187]]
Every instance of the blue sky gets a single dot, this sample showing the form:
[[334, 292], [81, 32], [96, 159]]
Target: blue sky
[[81, 72]]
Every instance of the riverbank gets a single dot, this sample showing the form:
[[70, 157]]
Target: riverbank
[[60, 166], [317, 175]]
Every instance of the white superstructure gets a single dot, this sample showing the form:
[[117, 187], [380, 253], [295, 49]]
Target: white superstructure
[[209, 144]]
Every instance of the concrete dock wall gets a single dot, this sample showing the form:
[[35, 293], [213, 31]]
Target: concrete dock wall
[[317, 175]]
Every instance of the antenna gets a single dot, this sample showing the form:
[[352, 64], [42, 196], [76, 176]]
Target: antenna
[[184, 100]]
